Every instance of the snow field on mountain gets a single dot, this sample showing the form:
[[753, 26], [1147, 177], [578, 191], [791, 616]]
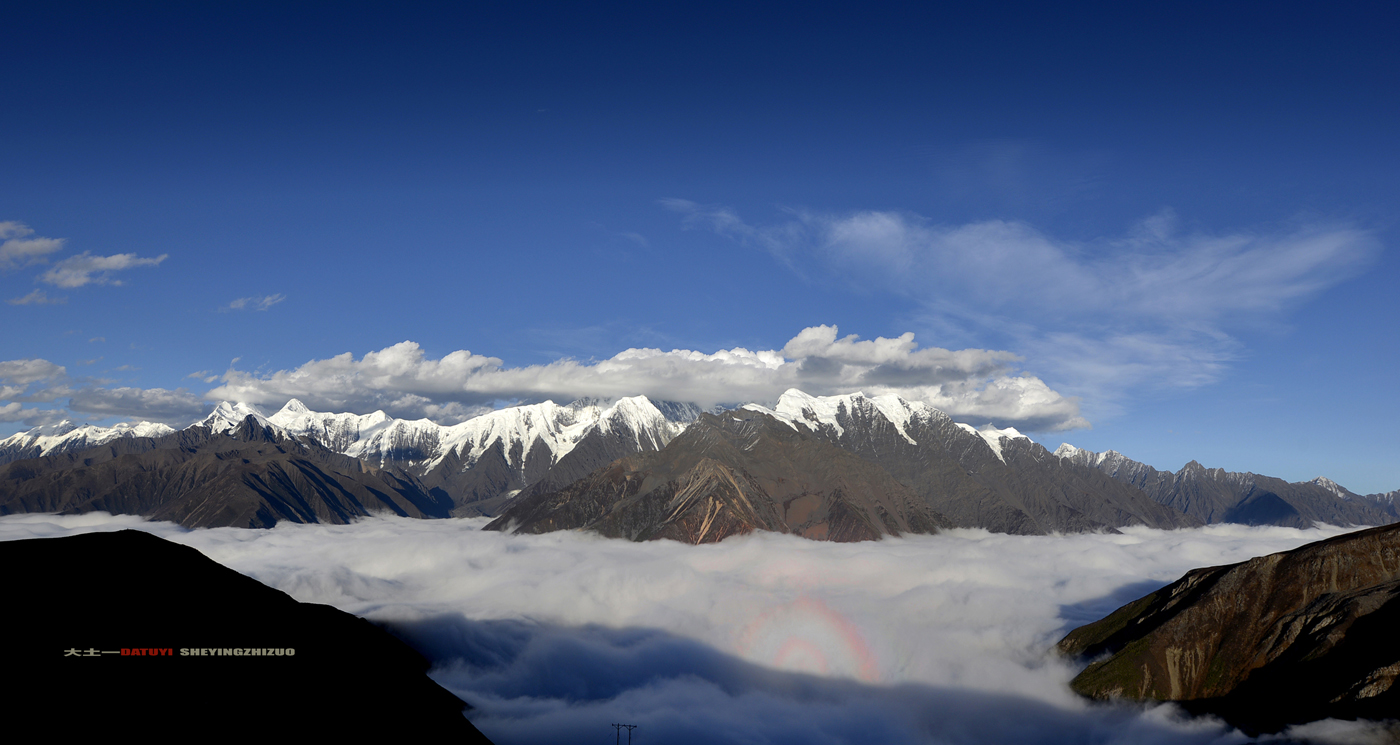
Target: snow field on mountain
[[761, 638]]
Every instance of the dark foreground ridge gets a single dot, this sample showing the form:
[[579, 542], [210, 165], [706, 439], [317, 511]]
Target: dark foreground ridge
[[1283, 639], [127, 632]]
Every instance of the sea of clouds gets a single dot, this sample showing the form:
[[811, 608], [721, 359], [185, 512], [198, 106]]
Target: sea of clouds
[[763, 638]]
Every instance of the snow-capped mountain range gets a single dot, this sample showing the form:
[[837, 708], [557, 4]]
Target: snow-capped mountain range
[[67, 436], [382, 439], [484, 461], [521, 444], [813, 412]]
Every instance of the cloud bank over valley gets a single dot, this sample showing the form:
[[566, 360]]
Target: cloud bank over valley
[[759, 639]]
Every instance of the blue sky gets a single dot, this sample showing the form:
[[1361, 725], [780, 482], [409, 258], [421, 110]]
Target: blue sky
[[1175, 225]]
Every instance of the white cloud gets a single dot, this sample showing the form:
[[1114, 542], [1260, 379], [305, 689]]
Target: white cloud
[[37, 297], [31, 380], [924, 639], [176, 408], [972, 384], [18, 250], [25, 372], [41, 381], [84, 269], [1154, 307], [255, 302], [15, 412]]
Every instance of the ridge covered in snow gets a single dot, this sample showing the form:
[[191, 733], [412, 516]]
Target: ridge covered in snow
[[227, 416], [380, 438], [1332, 486], [994, 436], [520, 430], [67, 435], [816, 412]]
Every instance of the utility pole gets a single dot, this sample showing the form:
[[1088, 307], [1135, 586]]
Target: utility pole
[[629, 727]]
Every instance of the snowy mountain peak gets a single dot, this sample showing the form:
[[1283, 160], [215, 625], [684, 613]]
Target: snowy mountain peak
[[227, 416], [66, 436], [1091, 458], [1331, 486], [53, 430], [544, 427], [994, 436], [681, 413], [293, 407], [798, 408]]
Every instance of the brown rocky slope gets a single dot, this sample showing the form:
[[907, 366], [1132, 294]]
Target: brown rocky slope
[[731, 474], [1282, 639]]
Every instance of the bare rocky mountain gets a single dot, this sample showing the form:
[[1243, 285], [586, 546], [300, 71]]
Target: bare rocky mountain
[[1214, 495], [1386, 502], [994, 479], [731, 474], [1281, 639], [250, 476]]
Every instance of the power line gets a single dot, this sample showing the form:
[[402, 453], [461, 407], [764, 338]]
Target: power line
[[629, 727]]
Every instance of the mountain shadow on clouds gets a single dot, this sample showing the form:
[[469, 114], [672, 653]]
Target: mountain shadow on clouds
[[1089, 611], [536, 683], [108, 629]]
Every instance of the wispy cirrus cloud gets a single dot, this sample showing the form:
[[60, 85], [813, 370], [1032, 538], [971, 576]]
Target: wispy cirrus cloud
[[37, 297], [85, 269], [1156, 306], [255, 302]]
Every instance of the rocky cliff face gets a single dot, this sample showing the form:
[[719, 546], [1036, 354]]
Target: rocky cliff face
[[1287, 638], [994, 479], [726, 475]]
